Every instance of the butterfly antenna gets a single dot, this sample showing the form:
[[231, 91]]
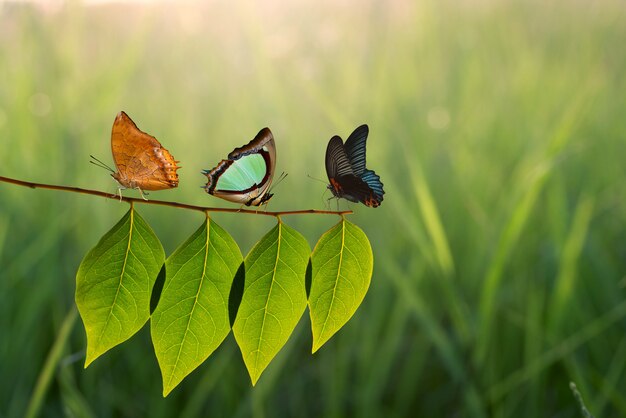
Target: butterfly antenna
[[280, 178], [100, 164], [316, 179]]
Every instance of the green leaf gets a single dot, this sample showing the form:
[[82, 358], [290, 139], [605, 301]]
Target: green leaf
[[114, 283], [191, 319], [274, 296], [341, 269]]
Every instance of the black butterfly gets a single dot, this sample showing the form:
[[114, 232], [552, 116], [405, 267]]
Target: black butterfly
[[345, 167]]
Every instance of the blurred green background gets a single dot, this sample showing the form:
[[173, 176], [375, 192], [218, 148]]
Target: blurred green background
[[498, 130]]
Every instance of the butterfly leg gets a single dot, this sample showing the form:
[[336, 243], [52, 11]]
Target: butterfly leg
[[119, 192], [142, 194], [328, 202]]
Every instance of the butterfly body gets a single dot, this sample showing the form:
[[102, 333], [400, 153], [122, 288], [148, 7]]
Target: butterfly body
[[142, 162], [345, 166], [245, 177]]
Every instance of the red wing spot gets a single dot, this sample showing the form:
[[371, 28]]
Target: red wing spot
[[371, 201], [335, 185]]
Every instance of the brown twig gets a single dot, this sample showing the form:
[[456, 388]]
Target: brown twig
[[131, 200]]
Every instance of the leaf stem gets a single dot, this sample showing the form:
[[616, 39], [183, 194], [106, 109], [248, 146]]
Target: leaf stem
[[52, 361], [132, 200]]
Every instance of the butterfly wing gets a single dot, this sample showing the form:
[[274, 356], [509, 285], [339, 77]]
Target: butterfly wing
[[263, 141], [245, 177], [337, 162], [140, 159], [376, 188], [350, 187], [355, 149], [339, 171]]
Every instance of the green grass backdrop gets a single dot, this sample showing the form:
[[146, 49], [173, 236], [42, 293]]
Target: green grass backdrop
[[498, 130]]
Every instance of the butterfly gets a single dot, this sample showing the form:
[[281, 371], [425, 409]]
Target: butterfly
[[142, 162], [245, 177], [345, 167]]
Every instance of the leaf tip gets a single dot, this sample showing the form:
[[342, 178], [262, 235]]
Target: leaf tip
[[316, 346], [90, 358]]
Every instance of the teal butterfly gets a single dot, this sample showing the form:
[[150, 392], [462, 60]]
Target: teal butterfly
[[245, 177]]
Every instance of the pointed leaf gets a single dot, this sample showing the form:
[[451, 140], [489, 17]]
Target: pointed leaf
[[341, 269], [191, 319], [274, 296], [114, 283]]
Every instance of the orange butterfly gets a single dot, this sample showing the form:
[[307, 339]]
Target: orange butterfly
[[142, 162]]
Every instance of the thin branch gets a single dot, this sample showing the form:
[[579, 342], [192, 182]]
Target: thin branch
[[166, 203]]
